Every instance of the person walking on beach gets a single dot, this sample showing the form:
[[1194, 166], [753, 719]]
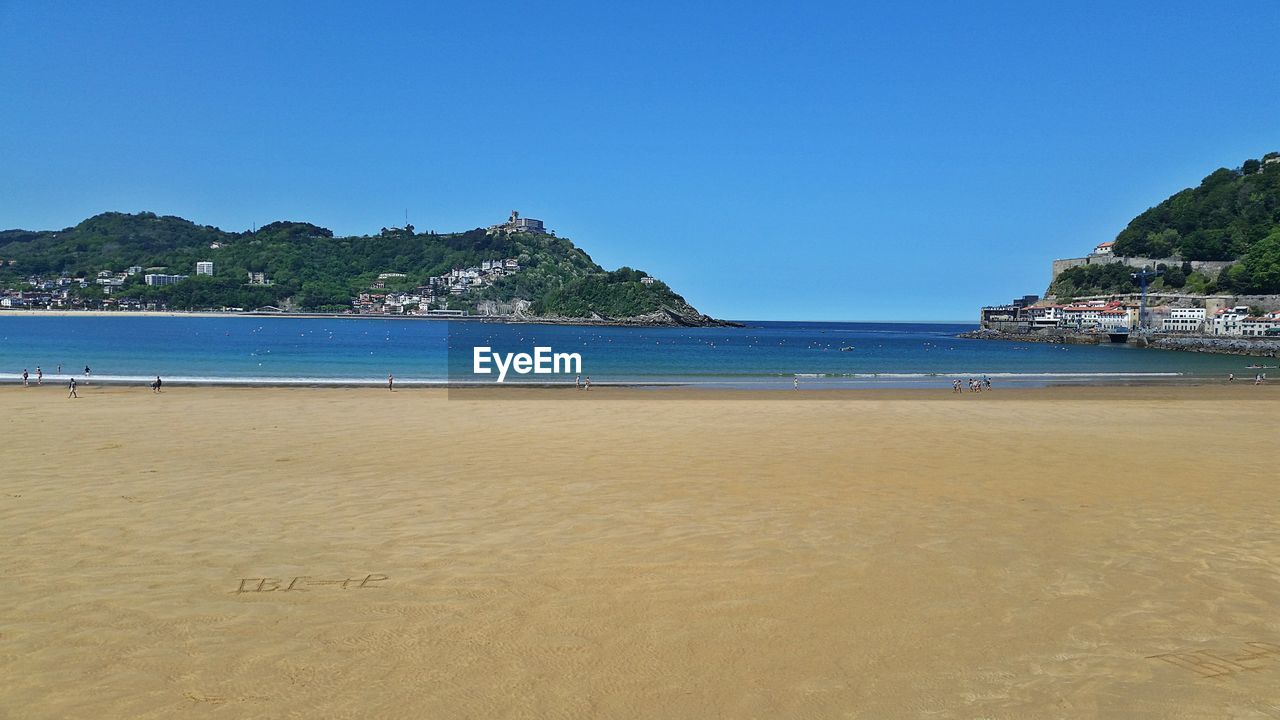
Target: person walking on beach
[[72, 387], [588, 383], [795, 383], [1231, 377], [155, 386], [39, 376], [577, 382], [24, 377], [1257, 379], [391, 382]]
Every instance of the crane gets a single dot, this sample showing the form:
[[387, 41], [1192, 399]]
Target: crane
[[1144, 276]]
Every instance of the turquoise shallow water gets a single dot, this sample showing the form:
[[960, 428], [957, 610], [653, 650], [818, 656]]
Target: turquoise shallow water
[[364, 350]]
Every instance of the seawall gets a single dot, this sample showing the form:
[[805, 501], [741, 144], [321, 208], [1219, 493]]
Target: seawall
[[1255, 347], [1056, 336]]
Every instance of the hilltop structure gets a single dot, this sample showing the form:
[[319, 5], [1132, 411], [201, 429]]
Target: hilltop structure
[[517, 224]]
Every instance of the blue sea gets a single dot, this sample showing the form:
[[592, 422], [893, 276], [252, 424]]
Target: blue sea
[[353, 351]]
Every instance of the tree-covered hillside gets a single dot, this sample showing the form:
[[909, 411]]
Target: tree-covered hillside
[[1230, 212], [311, 269], [1231, 215]]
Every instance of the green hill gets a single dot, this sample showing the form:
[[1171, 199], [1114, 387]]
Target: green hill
[[313, 270], [1232, 215]]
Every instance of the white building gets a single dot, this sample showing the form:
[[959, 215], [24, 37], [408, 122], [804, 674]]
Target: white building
[[647, 281], [1227, 321], [204, 268], [1098, 314], [1044, 315], [1112, 318], [1185, 320], [1082, 316], [155, 279], [1105, 248], [1259, 326]]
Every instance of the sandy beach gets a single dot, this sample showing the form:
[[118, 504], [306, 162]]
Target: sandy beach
[[624, 553]]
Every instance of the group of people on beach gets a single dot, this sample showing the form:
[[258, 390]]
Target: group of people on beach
[[1259, 379], [582, 384], [72, 385], [26, 377], [984, 383]]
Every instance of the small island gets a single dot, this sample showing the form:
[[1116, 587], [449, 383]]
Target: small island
[[516, 271]]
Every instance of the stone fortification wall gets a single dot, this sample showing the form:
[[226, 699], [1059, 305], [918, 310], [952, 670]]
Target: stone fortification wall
[[1208, 267]]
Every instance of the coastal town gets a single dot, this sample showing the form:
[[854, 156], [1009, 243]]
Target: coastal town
[[1122, 316], [431, 298], [437, 296]]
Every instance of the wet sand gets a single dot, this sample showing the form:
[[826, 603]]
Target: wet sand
[[627, 553]]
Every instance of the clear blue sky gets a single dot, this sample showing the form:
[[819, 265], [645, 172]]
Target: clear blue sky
[[842, 161]]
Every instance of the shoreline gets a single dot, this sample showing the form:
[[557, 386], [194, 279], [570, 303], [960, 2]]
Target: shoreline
[[504, 319], [869, 389], [1182, 342]]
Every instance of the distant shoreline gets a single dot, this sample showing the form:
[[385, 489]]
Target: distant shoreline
[[473, 318], [246, 313], [586, 322]]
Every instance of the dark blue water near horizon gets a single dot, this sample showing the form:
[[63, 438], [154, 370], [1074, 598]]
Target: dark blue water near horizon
[[341, 350]]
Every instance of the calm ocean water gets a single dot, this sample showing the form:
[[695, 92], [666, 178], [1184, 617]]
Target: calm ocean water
[[764, 354]]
